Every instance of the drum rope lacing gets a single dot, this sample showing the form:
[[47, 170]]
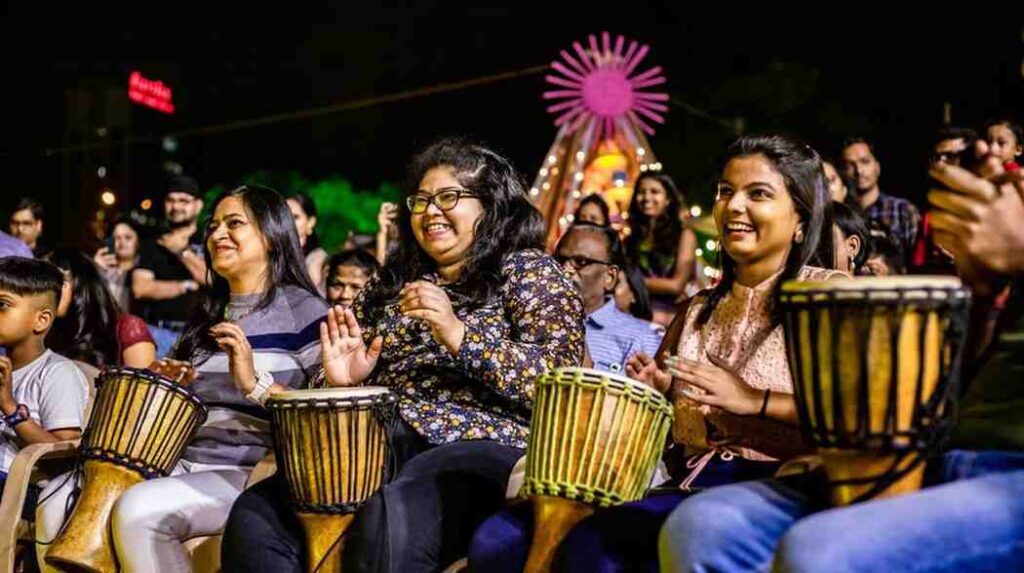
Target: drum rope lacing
[[384, 408], [78, 470], [933, 419]]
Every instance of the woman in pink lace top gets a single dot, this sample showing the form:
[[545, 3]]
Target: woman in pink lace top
[[727, 374]]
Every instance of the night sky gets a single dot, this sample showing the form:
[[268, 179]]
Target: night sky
[[810, 74]]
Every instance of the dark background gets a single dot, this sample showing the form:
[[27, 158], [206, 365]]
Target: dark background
[[821, 74]]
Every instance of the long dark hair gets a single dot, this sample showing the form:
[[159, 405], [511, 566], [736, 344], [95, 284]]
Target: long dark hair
[[852, 224], [509, 222], [309, 208], [602, 205], [286, 267], [86, 332], [641, 307], [801, 169], [667, 226]]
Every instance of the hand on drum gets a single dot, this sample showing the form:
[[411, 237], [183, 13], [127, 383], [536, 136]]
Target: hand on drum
[[978, 220], [643, 368], [721, 387], [176, 370], [428, 302], [346, 359], [232, 340]]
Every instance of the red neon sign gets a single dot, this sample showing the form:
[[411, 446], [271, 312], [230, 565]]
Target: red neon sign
[[150, 93]]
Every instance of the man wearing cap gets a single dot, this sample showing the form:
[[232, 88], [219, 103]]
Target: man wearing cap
[[171, 267]]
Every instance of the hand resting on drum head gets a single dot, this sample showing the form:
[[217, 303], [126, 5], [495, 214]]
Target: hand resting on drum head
[[177, 370]]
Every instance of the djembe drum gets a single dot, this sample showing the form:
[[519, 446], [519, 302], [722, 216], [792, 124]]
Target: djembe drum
[[875, 365], [140, 425], [595, 439], [332, 448]]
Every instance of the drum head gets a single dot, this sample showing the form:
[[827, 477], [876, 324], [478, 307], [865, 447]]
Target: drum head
[[360, 394], [118, 372], [592, 375], [878, 288]]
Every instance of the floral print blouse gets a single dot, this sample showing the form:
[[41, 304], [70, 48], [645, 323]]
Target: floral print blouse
[[486, 391]]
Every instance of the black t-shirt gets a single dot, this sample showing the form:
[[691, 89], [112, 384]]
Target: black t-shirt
[[166, 266]]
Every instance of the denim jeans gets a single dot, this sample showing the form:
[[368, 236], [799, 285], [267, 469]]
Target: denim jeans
[[973, 521]]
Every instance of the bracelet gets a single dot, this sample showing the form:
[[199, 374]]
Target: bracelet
[[259, 393], [19, 415], [764, 405]]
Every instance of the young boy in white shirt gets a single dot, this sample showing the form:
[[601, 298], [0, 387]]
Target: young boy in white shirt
[[42, 394]]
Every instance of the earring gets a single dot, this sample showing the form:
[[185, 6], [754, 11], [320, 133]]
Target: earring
[[799, 237]]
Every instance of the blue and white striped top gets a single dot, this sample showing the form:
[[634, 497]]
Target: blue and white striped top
[[285, 339]]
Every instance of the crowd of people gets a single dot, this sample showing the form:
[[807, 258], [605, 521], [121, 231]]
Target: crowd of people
[[458, 309]]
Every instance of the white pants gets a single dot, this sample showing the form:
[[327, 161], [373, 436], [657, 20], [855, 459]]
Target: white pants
[[153, 518]]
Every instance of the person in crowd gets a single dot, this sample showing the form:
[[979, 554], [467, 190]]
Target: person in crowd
[[304, 210], [347, 273], [659, 243], [735, 414], [256, 333], [171, 268], [465, 314]]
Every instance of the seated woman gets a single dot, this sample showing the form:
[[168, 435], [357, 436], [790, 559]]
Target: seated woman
[[735, 419], [87, 315], [659, 243], [256, 333], [465, 314]]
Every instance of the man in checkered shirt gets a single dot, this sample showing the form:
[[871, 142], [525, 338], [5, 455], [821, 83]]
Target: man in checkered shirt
[[896, 216]]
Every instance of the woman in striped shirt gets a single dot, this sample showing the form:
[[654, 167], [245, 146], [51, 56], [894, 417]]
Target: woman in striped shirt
[[256, 333]]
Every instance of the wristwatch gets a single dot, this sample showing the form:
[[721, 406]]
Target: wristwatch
[[19, 415], [259, 393]]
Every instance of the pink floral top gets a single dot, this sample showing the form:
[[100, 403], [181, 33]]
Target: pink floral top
[[740, 333]]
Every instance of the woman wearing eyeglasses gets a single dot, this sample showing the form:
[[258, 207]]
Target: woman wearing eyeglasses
[[466, 313]]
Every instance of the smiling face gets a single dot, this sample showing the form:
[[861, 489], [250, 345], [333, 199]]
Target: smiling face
[[1002, 143], [754, 212], [236, 245], [446, 236], [651, 197]]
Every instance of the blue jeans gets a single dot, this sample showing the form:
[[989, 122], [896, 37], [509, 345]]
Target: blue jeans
[[164, 339], [973, 522], [615, 539]]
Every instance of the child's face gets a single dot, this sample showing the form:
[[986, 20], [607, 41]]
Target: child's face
[[23, 316]]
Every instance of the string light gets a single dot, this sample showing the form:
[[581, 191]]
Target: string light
[[710, 245], [695, 211], [108, 198]]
